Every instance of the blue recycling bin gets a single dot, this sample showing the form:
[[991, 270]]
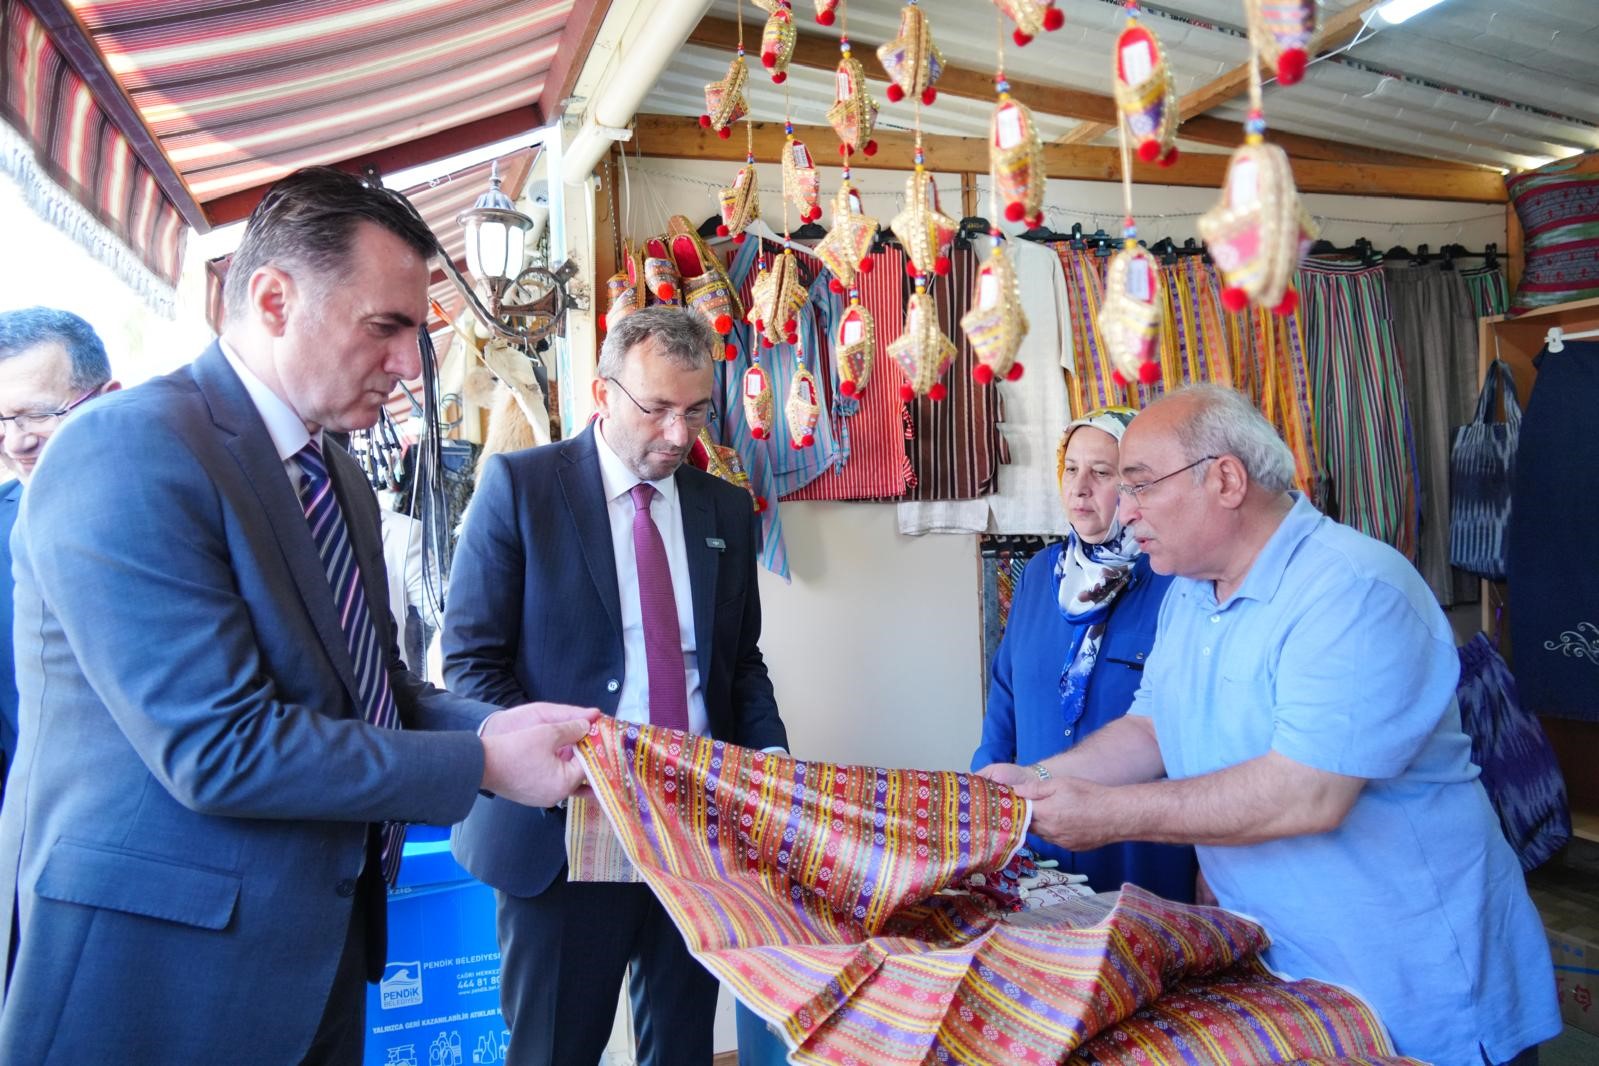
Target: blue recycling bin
[[438, 1003]]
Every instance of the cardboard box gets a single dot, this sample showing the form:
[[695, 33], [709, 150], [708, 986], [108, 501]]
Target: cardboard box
[[1567, 894]]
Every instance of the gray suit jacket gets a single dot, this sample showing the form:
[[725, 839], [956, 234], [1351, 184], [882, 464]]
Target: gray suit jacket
[[191, 801]]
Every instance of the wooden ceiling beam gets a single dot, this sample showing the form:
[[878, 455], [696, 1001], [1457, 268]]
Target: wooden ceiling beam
[[679, 137]]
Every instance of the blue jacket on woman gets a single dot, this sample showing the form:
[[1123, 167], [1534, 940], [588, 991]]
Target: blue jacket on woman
[[1025, 723]]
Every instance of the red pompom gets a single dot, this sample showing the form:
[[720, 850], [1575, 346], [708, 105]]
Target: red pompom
[[729, 352], [768, 59], [1149, 373], [790, 326], [722, 230], [844, 149], [1054, 19], [1291, 66], [1015, 372], [792, 338], [780, 77], [759, 325], [1119, 379], [929, 94], [867, 266], [1014, 211], [600, 321], [937, 392], [895, 94], [765, 343], [846, 388], [760, 504], [1034, 221], [941, 265], [705, 122], [725, 132], [1022, 39], [871, 147], [758, 433], [807, 440], [816, 212], [1170, 157], [834, 285], [1289, 304], [666, 291], [906, 393], [723, 324], [910, 269], [738, 238], [825, 18], [1234, 299], [1148, 151], [983, 374]]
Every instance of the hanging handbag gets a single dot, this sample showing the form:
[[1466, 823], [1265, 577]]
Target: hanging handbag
[[1481, 462]]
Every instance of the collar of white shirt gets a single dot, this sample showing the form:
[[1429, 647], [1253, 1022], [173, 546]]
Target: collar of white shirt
[[287, 431], [618, 480]]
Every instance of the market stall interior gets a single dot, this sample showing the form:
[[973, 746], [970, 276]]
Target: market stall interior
[[931, 235]]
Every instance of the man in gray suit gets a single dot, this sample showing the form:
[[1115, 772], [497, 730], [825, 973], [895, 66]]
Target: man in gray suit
[[219, 744]]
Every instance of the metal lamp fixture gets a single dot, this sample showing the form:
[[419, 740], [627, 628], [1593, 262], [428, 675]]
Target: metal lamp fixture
[[496, 235]]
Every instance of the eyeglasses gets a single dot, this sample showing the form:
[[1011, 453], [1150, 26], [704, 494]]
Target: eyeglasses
[[694, 418], [33, 421], [1137, 491]]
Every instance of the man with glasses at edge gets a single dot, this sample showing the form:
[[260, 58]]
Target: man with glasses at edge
[[1297, 721], [51, 362], [605, 570]]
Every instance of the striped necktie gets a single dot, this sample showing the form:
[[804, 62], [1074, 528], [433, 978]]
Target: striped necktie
[[349, 598]]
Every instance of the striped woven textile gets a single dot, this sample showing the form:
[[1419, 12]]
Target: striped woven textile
[[1362, 424], [829, 899], [1489, 292], [80, 149], [1193, 329], [1270, 366], [1558, 207]]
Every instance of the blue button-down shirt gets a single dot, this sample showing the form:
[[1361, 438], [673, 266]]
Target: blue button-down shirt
[[1334, 653]]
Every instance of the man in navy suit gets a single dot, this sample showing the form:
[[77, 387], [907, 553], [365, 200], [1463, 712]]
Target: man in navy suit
[[50, 362], [560, 590], [218, 741]]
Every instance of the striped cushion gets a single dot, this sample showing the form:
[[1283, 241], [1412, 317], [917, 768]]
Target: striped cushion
[[1558, 207]]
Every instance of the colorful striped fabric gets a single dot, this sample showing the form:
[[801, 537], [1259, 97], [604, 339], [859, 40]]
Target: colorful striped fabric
[[1361, 415], [78, 147], [829, 899], [1489, 292], [1193, 329], [1269, 364], [1558, 207]]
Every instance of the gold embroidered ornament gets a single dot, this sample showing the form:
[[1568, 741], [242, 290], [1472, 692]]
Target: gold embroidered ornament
[[724, 99], [995, 325], [853, 115], [723, 462], [846, 251], [661, 278], [801, 411], [623, 288], [1282, 31], [1258, 232], [1145, 94], [825, 12], [855, 349], [922, 351], [740, 203], [758, 403], [1129, 315], [801, 186], [777, 41], [1032, 17], [776, 298], [706, 287], [1016, 159], [912, 61], [923, 230]]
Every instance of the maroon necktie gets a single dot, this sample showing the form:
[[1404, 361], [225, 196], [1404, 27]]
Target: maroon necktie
[[663, 642]]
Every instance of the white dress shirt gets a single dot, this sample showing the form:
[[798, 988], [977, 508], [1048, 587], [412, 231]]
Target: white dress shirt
[[666, 509], [287, 431]]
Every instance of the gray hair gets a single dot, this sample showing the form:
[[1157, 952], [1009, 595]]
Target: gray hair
[[1224, 422], [682, 336], [31, 326]]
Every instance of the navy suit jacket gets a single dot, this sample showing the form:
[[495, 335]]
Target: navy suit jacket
[[192, 800], [534, 614], [10, 496]]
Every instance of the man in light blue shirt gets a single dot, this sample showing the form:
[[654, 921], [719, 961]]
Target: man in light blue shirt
[[1299, 703]]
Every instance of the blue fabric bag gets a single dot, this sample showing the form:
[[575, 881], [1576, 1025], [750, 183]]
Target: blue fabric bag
[[1481, 462]]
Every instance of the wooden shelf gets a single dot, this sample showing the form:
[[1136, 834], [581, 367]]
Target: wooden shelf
[[1585, 824]]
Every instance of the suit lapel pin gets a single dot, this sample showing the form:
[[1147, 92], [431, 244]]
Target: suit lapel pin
[[716, 544]]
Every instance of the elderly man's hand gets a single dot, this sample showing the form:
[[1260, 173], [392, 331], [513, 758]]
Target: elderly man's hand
[[1069, 811], [527, 752], [1008, 773]]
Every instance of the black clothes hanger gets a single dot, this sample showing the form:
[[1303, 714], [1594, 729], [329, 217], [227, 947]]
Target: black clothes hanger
[[808, 232], [973, 226], [1324, 248], [708, 227], [1396, 253]]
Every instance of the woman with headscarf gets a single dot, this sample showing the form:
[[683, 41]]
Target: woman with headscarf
[[1081, 624]]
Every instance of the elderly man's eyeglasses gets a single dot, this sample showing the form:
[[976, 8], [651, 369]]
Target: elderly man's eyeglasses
[[694, 418], [1137, 490], [33, 421]]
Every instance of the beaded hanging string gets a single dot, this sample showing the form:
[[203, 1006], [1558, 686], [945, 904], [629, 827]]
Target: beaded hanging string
[[1015, 152], [740, 204]]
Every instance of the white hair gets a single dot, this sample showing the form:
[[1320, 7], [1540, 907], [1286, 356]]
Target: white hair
[[1224, 422]]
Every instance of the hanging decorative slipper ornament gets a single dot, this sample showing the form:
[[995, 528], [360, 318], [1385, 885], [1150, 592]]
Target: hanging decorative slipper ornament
[[922, 351], [1146, 96], [801, 410], [723, 462], [1016, 158], [996, 325], [855, 347], [801, 186], [912, 61], [1129, 315], [758, 403], [1032, 17], [777, 42], [724, 99], [661, 278], [740, 202], [853, 115], [705, 285], [825, 12], [923, 230], [1282, 31], [624, 290], [847, 248], [776, 298]]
